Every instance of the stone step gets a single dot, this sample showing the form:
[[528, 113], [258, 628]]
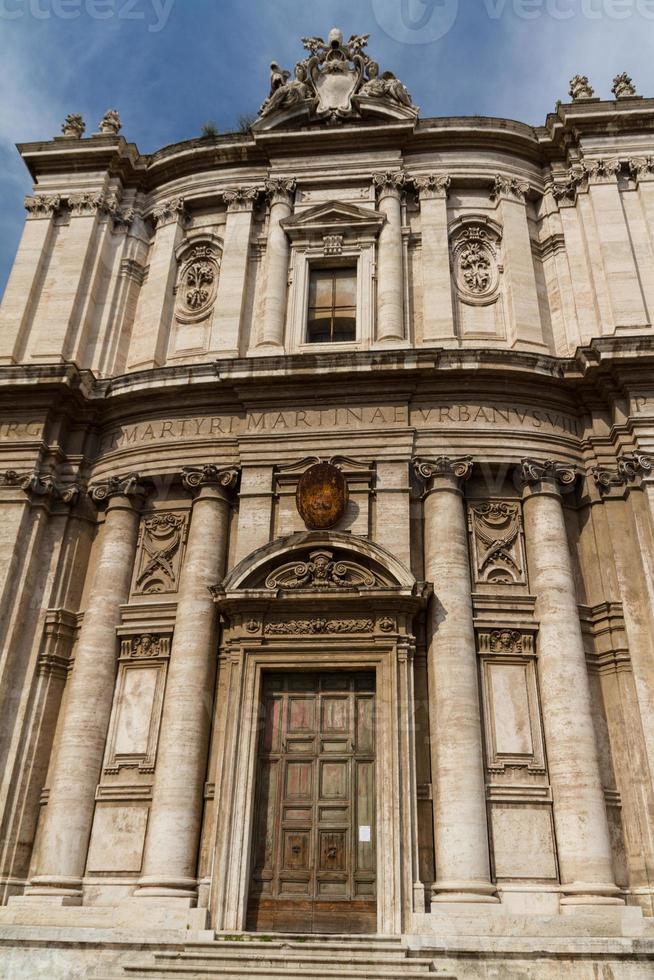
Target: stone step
[[286, 950], [229, 971], [273, 957]]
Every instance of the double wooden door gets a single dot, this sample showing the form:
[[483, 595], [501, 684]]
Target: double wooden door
[[314, 863]]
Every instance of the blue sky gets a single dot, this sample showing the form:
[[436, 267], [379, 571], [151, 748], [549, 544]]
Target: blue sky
[[169, 66]]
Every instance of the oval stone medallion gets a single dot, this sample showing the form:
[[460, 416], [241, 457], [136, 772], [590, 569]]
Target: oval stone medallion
[[321, 496]]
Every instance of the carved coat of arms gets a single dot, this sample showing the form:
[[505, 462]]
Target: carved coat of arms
[[321, 496]]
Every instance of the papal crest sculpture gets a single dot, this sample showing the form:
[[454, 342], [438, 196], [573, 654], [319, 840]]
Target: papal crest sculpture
[[336, 82]]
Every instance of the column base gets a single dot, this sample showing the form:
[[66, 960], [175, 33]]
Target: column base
[[52, 890], [588, 893], [266, 350], [182, 891], [469, 892]]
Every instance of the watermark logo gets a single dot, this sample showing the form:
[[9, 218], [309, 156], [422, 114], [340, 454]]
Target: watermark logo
[[416, 21], [426, 21], [152, 14]]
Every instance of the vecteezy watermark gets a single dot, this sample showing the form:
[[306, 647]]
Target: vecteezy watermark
[[154, 14], [426, 21]]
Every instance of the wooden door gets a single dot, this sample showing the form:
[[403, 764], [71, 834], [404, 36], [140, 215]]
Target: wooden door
[[314, 863]]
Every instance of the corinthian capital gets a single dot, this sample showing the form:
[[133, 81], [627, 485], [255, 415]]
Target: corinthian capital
[[42, 205], [389, 182], [458, 469], [535, 471], [280, 189], [509, 187], [432, 186], [196, 477], [240, 198], [168, 211], [118, 486]]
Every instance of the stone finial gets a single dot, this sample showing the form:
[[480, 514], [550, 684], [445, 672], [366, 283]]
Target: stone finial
[[581, 89], [73, 126], [623, 86], [110, 124]]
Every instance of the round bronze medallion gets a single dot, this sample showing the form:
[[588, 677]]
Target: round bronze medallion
[[321, 496]]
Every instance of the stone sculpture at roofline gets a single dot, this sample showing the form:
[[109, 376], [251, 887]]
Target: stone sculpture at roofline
[[336, 82]]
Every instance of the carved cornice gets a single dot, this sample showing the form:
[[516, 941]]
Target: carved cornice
[[118, 486], [534, 471], [389, 182], [431, 187], [42, 205], [511, 188], [241, 198], [459, 469], [168, 211], [630, 467], [280, 190], [196, 477]]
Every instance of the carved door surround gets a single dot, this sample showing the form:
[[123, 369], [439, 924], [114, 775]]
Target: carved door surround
[[318, 601]]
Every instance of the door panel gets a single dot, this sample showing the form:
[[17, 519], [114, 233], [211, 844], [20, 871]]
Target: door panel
[[314, 863]]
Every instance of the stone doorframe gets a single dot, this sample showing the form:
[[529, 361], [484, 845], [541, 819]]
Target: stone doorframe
[[319, 600]]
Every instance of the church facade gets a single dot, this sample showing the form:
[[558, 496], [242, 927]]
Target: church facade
[[326, 542]]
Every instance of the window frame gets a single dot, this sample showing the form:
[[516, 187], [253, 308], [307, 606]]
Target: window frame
[[336, 264]]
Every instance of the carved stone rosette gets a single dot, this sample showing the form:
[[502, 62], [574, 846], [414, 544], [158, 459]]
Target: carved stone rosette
[[534, 471], [118, 486], [196, 477]]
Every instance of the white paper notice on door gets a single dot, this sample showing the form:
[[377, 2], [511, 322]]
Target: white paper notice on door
[[364, 834]]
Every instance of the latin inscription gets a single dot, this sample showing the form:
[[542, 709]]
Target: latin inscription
[[369, 417], [13, 431]]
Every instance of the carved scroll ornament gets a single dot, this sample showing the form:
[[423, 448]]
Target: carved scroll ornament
[[159, 555], [321, 574]]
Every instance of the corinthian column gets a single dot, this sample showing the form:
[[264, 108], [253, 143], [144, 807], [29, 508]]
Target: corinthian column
[[64, 838], [271, 339], [582, 833], [171, 849], [460, 821], [390, 278], [231, 295]]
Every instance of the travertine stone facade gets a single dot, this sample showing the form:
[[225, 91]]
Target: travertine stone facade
[[457, 315]]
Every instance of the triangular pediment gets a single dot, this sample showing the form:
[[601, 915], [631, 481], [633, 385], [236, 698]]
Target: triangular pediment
[[333, 216]]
